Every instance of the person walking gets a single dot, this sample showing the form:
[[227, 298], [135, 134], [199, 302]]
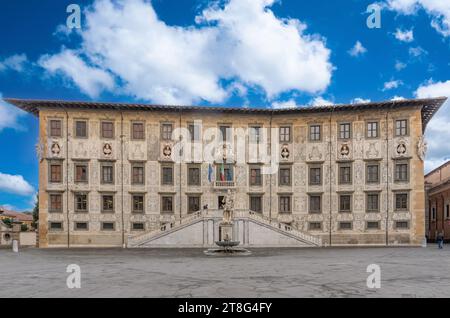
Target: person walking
[[440, 240]]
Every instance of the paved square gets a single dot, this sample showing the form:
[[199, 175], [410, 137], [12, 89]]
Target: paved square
[[405, 272]]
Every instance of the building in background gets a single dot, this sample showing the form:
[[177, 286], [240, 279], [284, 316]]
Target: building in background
[[115, 175], [437, 185], [23, 218]]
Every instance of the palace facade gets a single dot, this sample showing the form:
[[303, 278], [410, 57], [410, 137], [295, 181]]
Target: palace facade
[[136, 175]]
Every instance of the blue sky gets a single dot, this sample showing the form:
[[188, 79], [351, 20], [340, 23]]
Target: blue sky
[[249, 53]]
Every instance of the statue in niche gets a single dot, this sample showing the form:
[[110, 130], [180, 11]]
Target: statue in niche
[[228, 207]]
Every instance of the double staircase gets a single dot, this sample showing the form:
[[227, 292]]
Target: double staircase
[[216, 215]]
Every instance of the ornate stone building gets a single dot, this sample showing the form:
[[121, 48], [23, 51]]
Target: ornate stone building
[[145, 175]]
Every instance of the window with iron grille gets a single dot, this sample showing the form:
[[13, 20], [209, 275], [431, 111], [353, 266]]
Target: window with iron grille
[[401, 127], [315, 204], [81, 173], [55, 128], [137, 203], [138, 174], [344, 131], [166, 131], [108, 226], [373, 173], [345, 174], [372, 129], [285, 134], [255, 176], [194, 176], [81, 202], [315, 133], [81, 129], [315, 226], [401, 172], [373, 225], [345, 225], [403, 225], [81, 226], [167, 175], [107, 203], [345, 203], [285, 204], [373, 202], [138, 131], [167, 204], [56, 226], [193, 204], [107, 130], [138, 226], [401, 201], [256, 203], [55, 203], [315, 176]]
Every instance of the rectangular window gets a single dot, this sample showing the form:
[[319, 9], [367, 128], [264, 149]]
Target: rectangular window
[[255, 135], [373, 202], [56, 226], [167, 204], [433, 214], [81, 202], [256, 203], [166, 131], [345, 225], [315, 133], [108, 226], [81, 129], [81, 173], [315, 226], [373, 225], [194, 132], [55, 128], [402, 225], [137, 226], [285, 134], [285, 176], [81, 226], [225, 133], [372, 129], [55, 203], [344, 131], [107, 173], [56, 172], [108, 203], [255, 176], [138, 131], [401, 201], [345, 203], [345, 174], [315, 204], [285, 204], [167, 175], [137, 203], [193, 204], [315, 176], [373, 173], [194, 176], [401, 127], [401, 172], [107, 130], [137, 174]]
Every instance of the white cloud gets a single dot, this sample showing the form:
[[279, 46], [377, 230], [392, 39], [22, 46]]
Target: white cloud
[[357, 50], [89, 79], [400, 65], [392, 84], [397, 98], [9, 116], [241, 40], [439, 10], [359, 100], [320, 101], [417, 51], [285, 104], [15, 184], [438, 129], [15, 62], [404, 36]]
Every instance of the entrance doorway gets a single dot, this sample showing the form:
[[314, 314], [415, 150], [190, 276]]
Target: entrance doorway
[[220, 202]]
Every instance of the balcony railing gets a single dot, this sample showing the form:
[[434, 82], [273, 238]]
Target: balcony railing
[[224, 184]]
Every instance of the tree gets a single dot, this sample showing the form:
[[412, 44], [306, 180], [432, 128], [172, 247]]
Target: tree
[[36, 211], [8, 222], [23, 227]]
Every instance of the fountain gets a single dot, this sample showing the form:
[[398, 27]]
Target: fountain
[[227, 247]]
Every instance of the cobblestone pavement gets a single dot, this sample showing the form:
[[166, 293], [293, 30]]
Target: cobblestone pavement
[[405, 272]]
